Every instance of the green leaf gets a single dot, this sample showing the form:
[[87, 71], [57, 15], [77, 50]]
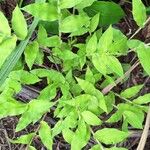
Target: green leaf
[[132, 91], [73, 23], [144, 55], [4, 25], [110, 135], [30, 53], [90, 89], [19, 24], [24, 139], [52, 41], [6, 47], [133, 119], [24, 77], [36, 109], [48, 93], [114, 64], [68, 135], [99, 62], [81, 133], [89, 76], [69, 3], [96, 147], [42, 34], [91, 118], [11, 107], [105, 40], [110, 12], [13, 58], [32, 148], [43, 11], [142, 99], [91, 45], [94, 22], [45, 135], [139, 12], [85, 3], [52, 75]]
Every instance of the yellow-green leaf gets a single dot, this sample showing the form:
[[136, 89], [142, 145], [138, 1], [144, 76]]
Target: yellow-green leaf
[[139, 12], [43, 11], [19, 24], [45, 135], [110, 135], [31, 52], [132, 91], [91, 118], [4, 26]]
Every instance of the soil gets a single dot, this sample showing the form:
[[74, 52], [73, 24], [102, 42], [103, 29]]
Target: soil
[[7, 125]]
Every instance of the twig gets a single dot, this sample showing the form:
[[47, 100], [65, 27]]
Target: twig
[[144, 136], [139, 29], [111, 86]]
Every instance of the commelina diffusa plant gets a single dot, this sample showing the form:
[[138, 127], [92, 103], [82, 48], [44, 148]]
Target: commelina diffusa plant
[[79, 88]]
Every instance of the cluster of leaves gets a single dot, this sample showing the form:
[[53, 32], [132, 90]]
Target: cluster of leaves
[[82, 70]]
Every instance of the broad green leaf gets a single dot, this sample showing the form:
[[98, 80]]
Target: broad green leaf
[[81, 133], [52, 75], [133, 119], [89, 76], [91, 45], [96, 147], [105, 40], [139, 12], [11, 107], [86, 86], [132, 91], [69, 3], [36, 109], [90, 89], [144, 55], [94, 22], [110, 12], [24, 77], [4, 25], [53, 41], [99, 62], [133, 43], [68, 135], [24, 139], [45, 135], [73, 23], [42, 35], [30, 53], [48, 93], [6, 47], [43, 11], [114, 65], [110, 135], [14, 57], [32, 148], [19, 24], [142, 99], [91, 118], [85, 3], [115, 117]]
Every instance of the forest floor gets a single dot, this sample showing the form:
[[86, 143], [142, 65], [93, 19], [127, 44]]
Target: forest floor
[[7, 125]]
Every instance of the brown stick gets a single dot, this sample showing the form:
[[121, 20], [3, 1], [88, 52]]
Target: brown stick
[[111, 86], [144, 136]]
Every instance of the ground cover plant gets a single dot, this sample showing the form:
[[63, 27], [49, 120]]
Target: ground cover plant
[[73, 51]]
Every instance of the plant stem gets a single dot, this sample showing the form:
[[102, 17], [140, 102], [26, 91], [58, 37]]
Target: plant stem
[[101, 146]]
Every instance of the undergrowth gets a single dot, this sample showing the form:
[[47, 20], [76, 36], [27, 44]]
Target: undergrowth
[[80, 41]]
